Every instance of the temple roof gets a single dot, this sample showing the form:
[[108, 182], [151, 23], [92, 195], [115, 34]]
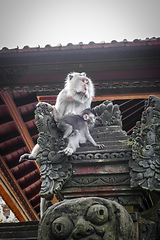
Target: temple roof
[[103, 44]]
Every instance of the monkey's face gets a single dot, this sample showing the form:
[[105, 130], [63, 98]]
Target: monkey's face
[[90, 118], [80, 85], [83, 86], [86, 219]]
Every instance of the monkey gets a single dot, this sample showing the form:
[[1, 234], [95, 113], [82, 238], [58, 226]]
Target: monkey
[[77, 129], [77, 94], [32, 155]]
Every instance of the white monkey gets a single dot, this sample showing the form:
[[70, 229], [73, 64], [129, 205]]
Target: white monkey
[[77, 94]]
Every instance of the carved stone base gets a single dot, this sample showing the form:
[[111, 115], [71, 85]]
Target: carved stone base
[[105, 173], [86, 218]]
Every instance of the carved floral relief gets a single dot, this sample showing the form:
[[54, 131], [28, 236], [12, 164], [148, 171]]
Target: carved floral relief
[[145, 162]]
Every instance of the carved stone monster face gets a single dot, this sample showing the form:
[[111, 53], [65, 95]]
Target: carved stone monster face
[[86, 219]]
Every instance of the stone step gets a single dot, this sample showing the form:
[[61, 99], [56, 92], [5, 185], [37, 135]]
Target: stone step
[[108, 138], [109, 145], [109, 131]]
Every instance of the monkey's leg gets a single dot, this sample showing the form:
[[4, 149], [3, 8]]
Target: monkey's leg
[[42, 206], [35, 151], [68, 131], [73, 144]]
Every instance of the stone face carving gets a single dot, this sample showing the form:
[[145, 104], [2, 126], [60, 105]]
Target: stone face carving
[[145, 162], [89, 218]]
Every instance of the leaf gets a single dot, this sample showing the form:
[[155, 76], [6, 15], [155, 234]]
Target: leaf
[[157, 170], [136, 167], [141, 181], [149, 173], [139, 176], [144, 164], [157, 176]]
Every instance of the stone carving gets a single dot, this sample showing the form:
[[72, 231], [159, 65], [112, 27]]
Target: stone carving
[[108, 113], [10, 76], [100, 155], [145, 162], [55, 169], [86, 218], [98, 180], [148, 229]]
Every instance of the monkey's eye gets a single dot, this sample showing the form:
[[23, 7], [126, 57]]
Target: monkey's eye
[[87, 82], [97, 214], [62, 227]]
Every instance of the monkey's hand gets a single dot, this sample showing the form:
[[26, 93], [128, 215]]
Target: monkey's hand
[[101, 146], [25, 157], [68, 151]]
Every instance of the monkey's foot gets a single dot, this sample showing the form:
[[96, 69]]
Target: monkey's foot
[[101, 146], [26, 156], [68, 151]]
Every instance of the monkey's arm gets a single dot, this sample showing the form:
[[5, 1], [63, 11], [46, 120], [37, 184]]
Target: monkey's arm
[[61, 102], [90, 138]]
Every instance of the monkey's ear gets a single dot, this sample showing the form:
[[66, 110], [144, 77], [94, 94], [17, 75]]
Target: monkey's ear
[[70, 76], [83, 74], [85, 117]]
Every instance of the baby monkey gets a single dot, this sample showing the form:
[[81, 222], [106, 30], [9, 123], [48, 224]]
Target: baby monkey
[[76, 129]]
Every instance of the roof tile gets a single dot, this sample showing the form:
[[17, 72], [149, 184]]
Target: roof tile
[[70, 46]]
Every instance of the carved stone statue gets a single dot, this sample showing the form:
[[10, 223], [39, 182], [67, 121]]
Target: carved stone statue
[[145, 162], [89, 218], [54, 167]]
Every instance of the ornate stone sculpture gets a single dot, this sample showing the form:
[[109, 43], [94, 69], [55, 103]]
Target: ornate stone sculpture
[[145, 162], [89, 218], [54, 168], [108, 113]]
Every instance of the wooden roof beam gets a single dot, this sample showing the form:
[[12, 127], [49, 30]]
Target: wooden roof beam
[[15, 114], [52, 98], [14, 196]]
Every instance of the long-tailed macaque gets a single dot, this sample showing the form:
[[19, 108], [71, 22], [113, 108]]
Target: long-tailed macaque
[[76, 129], [76, 96]]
